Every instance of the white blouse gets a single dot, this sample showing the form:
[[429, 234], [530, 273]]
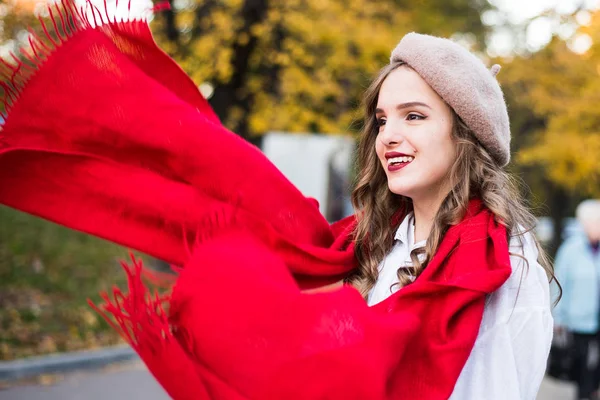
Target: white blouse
[[508, 360]]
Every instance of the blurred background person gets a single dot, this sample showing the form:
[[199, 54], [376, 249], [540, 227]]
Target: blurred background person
[[577, 268]]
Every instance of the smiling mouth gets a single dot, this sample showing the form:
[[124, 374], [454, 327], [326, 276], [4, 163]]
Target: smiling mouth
[[397, 161]]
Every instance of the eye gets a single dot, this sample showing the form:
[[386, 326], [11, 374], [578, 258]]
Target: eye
[[415, 117], [379, 122]]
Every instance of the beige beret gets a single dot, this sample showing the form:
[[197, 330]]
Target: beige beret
[[465, 84]]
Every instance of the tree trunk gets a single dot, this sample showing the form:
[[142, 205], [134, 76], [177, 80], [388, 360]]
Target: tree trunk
[[203, 12], [229, 95], [171, 29]]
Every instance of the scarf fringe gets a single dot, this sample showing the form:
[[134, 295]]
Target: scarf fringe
[[66, 19], [139, 316]]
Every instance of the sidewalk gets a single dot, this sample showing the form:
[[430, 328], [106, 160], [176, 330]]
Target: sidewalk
[[128, 381], [65, 362], [552, 389], [102, 374], [132, 382]]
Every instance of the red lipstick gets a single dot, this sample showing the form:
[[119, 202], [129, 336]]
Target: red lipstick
[[396, 166]]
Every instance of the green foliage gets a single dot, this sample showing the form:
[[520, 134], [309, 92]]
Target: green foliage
[[47, 273]]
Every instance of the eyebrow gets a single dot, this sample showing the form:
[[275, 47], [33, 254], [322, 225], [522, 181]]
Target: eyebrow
[[405, 105]]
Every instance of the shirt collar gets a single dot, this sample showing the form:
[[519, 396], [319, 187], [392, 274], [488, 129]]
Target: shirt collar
[[405, 233]]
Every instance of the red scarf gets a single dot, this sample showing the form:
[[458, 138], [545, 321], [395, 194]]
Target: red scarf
[[110, 137]]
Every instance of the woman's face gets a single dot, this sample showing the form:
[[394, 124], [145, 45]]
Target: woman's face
[[414, 143]]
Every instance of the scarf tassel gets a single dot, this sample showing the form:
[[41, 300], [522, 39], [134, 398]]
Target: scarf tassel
[[139, 316], [66, 19]]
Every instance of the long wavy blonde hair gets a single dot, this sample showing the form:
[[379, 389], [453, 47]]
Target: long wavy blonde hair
[[474, 174]]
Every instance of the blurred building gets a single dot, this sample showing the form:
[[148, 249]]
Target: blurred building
[[319, 165]]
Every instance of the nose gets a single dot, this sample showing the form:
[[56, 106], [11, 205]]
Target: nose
[[391, 133]]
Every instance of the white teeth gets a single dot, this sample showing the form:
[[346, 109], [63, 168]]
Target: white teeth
[[405, 159]]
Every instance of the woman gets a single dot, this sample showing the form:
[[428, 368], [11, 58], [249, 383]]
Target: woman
[[127, 149], [417, 153], [578, 268]]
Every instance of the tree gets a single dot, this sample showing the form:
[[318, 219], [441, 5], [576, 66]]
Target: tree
[[553, 96], [298, 65]]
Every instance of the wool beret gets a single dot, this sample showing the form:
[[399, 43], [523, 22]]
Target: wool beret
[[465, 84]]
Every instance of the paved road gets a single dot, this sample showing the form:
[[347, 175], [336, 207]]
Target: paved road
[[554, 390], [132, 382]]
